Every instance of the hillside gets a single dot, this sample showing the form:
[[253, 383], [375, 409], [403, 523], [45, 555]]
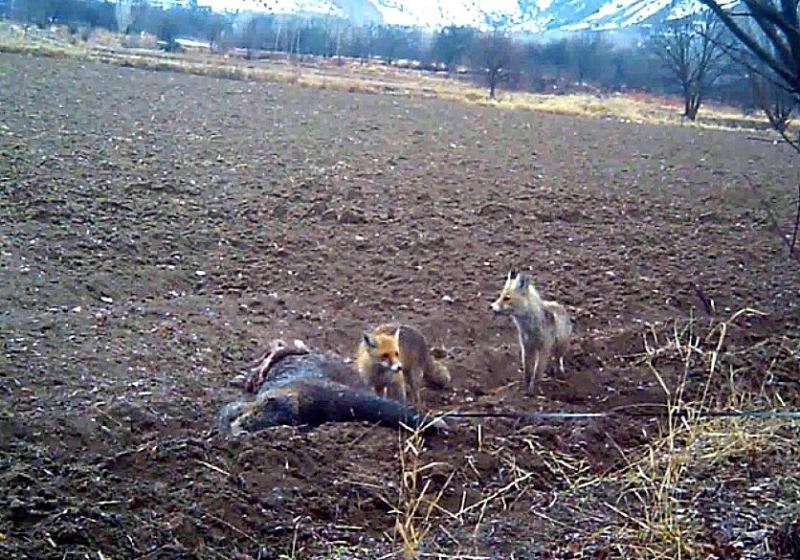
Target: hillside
[[524, 15]]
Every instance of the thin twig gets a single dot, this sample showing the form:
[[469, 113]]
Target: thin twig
[[213, 467], [796, 222], [775, 226], [232, 527]]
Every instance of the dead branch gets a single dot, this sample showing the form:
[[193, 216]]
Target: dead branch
[[774, 220]]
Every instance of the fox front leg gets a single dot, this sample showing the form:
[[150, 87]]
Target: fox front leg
[[528, 371], [531, 372], [412, 386], [397, 392]]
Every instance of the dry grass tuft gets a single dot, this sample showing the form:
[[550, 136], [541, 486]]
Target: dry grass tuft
[[659, 509], [705, 487], [423, 520], [416, 502]]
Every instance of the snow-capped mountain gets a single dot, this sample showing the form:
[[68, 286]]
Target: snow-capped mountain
[[521, 15]]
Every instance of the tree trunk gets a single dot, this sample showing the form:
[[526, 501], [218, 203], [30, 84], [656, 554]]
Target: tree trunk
[[691, 106], [493, 77], [277, 38]]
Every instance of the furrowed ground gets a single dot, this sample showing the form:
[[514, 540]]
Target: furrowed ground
[[158, 228]]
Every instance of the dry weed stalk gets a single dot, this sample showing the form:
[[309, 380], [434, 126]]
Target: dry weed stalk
[[419, 511], [656, 509], [415, 508]]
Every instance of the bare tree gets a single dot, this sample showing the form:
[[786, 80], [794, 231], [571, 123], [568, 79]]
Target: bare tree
[[770, 31], [451, 44], [123, 15], [38, 12], [495, 55], [776, 102], [693, 52], [588, 51]]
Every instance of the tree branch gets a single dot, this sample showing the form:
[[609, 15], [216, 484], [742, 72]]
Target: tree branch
[[752, 44]]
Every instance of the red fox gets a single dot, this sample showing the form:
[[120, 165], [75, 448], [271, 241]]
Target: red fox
[[544, 327], [296, 385], [395, 360]]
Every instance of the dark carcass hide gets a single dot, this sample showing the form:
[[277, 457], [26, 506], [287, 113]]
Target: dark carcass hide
[[295, 385]]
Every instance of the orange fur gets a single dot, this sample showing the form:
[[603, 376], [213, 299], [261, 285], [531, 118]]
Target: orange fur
[[394, 358]]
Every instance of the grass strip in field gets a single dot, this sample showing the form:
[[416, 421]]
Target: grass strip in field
[[372, 79]]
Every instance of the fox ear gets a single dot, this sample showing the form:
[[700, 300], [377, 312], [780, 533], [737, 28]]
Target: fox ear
[[511, 275], [522, 282], [369, 340]]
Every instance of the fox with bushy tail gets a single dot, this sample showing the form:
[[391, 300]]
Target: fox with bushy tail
[[544, 326], [395, 360]]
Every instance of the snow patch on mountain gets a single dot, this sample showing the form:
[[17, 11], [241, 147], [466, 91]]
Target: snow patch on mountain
[[520, 15]]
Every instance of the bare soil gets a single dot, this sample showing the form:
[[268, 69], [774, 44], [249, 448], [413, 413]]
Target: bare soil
[[158, 228]]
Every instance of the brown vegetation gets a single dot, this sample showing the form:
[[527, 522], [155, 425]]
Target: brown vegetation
[[352, 76]]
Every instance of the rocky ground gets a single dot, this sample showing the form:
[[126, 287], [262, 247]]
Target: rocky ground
[[158, 228]]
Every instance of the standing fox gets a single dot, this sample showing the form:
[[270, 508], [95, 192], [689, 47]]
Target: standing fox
[[544, 327], [394, 359]]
